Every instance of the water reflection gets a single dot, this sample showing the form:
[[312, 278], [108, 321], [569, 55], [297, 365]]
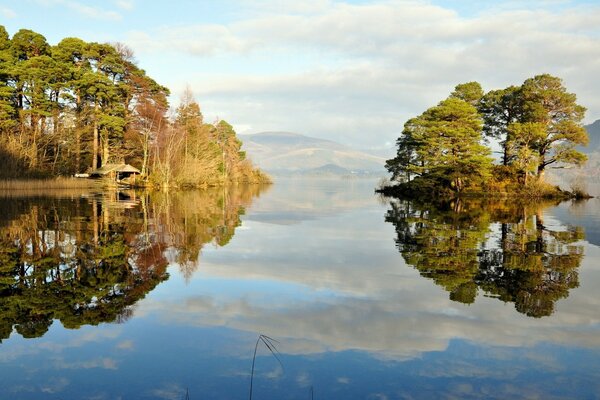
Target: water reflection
[[88, 259], [321, 276], [504, 249]]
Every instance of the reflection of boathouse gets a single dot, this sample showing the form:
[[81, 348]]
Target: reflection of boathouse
[[116, 173]]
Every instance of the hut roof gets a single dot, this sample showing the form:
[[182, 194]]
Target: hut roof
[[108, 168]]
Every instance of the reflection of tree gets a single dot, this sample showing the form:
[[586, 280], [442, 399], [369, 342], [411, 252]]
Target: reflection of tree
[[69, 260], [530, 264], [88, 261], [188, 221]]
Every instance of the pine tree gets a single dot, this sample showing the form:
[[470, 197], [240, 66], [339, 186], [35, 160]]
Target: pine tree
[[443, 145]]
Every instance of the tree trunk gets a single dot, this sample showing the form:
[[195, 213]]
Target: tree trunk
[[55, 113], [105, 150], [146, 144], [541, 173], [95, 141], [77, 150], [34, 126], [78, 126]]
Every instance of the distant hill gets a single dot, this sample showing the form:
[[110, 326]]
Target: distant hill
[[592, 167], [284, 153], [591, 170], [593, 131]]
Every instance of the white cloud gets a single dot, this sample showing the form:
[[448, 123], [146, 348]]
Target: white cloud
[[7, 13], [357, 72], [93, 12], [83, 9], [125, 4]]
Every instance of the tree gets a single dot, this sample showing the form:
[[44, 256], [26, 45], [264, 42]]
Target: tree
[[71, 55], [499, 109], [471, 92], [81, 104], [546, 102], [8, 110], [521, 139], [443, 145]]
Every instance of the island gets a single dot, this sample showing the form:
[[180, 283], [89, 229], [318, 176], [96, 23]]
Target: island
[[447, 150]]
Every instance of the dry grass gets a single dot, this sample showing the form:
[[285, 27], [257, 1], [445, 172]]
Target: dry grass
[[56, 186], [579, 187], [537, 189]]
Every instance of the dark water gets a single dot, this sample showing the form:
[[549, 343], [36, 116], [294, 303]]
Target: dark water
[[149, 296]]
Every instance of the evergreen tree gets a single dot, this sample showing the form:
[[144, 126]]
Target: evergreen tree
[[443, 145], [547, 103], [471, 92], [499, 109]]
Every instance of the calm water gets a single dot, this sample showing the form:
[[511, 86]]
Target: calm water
[[146, 296]]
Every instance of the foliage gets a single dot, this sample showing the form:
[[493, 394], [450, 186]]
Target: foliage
[[442, 145], [196, 154], [75, 106]]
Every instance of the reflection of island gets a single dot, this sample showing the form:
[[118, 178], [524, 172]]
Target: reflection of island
[[529, 264], [88, 260]]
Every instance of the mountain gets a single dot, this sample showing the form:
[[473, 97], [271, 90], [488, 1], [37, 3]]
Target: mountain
[[291, 153], [590, 172], [593, 131]]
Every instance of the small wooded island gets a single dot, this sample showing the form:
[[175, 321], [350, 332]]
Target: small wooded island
[[445, 151], [77, 107]]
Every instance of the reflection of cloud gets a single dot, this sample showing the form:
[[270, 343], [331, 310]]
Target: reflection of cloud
[[343, 380], [55, 385], [104, 363], [397, 318], [170, 391], [275, 373], [378, 396], [79, 338], [22, 389], [337, 283], [303, 379], [295, 200], [125, 345]]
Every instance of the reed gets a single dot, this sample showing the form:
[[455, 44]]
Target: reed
[[269, 344], [45, 184]]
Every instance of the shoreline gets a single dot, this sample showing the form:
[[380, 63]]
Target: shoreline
[[403, 191]]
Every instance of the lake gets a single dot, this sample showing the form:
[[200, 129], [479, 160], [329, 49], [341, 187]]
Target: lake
[[161, 296]]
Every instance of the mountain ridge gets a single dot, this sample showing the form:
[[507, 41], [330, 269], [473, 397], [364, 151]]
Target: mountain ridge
[[289, 152]]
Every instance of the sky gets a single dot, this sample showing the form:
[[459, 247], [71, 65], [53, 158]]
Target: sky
[[350, 71]]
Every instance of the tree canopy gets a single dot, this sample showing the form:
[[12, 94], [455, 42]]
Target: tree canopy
[[443, 145]]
